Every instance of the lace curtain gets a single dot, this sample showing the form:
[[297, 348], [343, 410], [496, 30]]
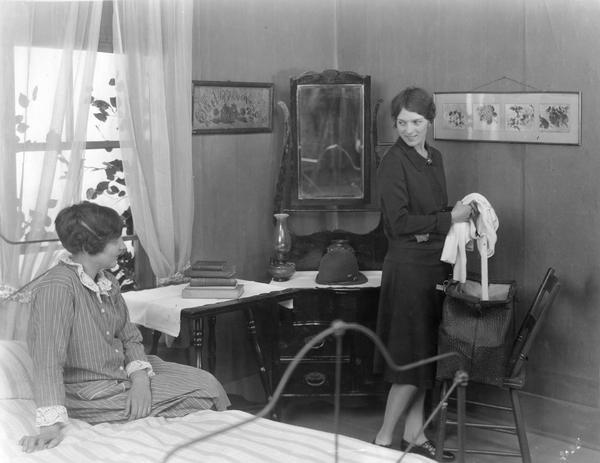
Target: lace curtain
[[153, 43], [43, 134]]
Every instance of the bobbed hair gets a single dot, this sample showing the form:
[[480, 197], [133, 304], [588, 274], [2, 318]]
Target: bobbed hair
[[87, 227], [416, 100]]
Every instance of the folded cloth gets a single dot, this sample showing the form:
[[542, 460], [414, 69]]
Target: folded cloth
[[459, 239]]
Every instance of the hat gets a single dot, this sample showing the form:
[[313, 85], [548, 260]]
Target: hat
[[339, 267]]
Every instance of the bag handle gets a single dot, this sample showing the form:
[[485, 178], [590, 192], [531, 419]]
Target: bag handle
[[483, 252]]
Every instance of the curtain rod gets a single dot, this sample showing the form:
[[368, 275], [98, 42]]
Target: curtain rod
[[50, 240]]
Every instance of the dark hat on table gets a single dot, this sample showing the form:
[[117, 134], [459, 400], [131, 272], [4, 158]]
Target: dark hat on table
[[339, 267]]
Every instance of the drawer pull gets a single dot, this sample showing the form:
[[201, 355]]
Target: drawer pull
[[316, 346], [315, 379]]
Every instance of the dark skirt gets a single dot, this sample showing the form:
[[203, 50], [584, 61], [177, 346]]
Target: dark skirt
[[410, 309]]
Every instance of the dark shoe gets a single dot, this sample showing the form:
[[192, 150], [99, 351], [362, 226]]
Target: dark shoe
[[427, 449]]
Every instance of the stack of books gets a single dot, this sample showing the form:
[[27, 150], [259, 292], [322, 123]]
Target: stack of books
[[212, 279]]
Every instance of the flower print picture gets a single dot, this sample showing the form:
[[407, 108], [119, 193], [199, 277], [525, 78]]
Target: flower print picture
[[486, 116], [520, 116], [455, 116], [554, 117], [231, 107]]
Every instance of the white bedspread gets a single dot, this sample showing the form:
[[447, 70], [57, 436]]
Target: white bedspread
[[149, 440]]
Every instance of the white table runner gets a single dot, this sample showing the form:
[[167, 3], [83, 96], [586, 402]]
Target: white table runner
[[160, 308]]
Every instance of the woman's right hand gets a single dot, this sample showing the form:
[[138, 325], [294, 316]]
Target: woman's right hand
[[461, 212], [49, 436]]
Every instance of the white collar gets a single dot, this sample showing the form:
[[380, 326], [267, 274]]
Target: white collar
[[102, 286]]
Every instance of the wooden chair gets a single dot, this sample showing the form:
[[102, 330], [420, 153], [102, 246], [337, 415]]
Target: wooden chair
[[513, 381]]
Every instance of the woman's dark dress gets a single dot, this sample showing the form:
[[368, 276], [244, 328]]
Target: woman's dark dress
[[416, 219]]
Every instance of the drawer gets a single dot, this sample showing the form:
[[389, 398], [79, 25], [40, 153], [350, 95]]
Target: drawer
[[325, 305], [315, 378], [294, 336]]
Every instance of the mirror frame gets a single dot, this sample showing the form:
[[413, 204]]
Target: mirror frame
[[330, 77]]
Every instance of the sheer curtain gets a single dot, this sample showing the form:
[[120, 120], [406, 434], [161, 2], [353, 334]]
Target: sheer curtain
[[153, 43], [49, 52]]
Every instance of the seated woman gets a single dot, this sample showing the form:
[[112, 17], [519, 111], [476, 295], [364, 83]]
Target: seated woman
[[88, 357]]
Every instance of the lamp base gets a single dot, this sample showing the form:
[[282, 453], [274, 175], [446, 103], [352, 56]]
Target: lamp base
[[281, 271]]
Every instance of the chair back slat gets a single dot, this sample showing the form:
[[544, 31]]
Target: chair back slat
[[530, 326]]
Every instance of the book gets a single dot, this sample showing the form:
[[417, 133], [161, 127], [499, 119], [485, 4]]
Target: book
[[227, 272], [204, 281], [212, 292], [209, 265]]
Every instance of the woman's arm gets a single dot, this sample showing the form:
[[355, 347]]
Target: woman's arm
[[50, 323], [130, 336], [139, 370]]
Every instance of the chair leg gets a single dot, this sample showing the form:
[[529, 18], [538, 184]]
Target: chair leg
[[441, 430], [461, 393], [520, 425]]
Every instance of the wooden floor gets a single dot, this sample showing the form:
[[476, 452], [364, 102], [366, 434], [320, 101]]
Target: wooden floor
[[361, 418]]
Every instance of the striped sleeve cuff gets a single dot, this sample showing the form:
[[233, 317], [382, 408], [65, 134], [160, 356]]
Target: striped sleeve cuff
[[47, 416]]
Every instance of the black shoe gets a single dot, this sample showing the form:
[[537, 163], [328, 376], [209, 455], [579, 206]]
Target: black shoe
[[427, 449]]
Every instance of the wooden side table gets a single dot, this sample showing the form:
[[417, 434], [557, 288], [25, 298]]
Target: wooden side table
[[164, 310]]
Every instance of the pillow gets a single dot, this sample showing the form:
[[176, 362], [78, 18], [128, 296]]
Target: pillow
[[15, 370]]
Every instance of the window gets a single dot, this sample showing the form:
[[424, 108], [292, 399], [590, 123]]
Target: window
[[102, 179]]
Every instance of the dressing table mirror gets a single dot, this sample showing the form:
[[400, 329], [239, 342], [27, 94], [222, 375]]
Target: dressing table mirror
[[325, 181], [330, 140]]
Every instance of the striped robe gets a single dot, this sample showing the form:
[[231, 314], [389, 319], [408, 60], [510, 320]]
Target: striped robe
[[81, 341]]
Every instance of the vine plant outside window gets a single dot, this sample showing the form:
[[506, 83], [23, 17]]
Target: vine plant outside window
[[102, 179]]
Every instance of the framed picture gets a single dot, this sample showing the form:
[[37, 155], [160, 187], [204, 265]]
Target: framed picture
[[231, 107], [521, 117]]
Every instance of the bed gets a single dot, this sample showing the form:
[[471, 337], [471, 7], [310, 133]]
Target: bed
[[152, 439]]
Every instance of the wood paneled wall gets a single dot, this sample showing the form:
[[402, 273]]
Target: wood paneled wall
[[235, 175], [546, 196]]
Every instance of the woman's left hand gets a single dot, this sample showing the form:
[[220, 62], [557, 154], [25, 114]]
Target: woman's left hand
[[461, 212], [139, 401]]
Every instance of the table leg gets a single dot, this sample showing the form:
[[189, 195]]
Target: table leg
[[197, 339], [262, 371], [155, 338], [212, 344]]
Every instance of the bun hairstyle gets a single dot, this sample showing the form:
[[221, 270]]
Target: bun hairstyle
[[416, 100], [87, 227]]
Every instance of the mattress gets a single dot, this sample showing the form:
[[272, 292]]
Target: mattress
[[150, 440]]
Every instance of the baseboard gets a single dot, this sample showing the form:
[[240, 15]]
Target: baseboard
[[558, 419], [562, 420]]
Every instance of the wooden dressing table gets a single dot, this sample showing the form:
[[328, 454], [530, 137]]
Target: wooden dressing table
[[310, 310]]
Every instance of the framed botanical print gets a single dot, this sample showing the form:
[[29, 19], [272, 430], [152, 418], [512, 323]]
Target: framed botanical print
[[520, 117], [231, 107]]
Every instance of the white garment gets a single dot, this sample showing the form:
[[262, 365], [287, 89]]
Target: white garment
[[461, 235]]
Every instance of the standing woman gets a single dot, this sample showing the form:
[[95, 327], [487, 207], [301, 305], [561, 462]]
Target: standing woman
[[88, 357], [413, 201]]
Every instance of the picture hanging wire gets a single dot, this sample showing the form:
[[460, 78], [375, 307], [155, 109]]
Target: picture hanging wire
[[505, 78]]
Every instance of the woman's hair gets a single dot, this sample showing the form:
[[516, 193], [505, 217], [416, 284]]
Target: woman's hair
[[416, 100], [87, 227]]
